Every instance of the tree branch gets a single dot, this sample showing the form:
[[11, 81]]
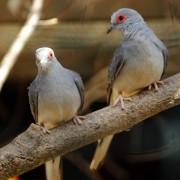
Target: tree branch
[[17, 46], [32, 148]]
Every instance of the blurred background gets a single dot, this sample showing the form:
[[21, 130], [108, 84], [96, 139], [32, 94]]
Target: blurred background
[[151, 150]]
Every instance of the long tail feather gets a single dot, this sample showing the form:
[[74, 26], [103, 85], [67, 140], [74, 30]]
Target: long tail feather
[[54, 169], [101, 151]]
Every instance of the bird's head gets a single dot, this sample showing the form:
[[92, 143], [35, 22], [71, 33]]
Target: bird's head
[[125, 19], [44, 58]]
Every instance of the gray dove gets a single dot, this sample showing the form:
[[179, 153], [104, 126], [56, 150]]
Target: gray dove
[[138, 62], [56, 95]]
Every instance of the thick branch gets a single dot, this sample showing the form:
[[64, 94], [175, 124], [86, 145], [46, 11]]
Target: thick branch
[[32, 148]]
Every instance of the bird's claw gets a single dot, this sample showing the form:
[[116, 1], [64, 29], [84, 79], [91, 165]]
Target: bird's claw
[[155, 85], [78, 119], [43, 129], [121, 99]]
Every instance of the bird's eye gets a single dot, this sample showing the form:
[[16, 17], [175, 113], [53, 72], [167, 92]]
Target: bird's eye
[[50, 55], [121, 18]]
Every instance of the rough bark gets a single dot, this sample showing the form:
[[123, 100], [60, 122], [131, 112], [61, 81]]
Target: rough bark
[[32, 148]]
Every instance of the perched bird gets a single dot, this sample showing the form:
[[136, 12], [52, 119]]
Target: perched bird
[[138, 62], [56, 95]]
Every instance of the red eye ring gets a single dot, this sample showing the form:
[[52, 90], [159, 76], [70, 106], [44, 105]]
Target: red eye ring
[[121, 18], [50, 55]]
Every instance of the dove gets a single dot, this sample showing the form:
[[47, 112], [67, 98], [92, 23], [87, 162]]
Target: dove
[[138, 62], [56, 95]]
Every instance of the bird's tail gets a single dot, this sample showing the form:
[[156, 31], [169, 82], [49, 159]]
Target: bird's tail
[[101, 151], [54, 169]]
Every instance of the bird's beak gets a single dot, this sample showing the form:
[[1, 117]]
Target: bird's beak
[[42, 64], [110, 29]]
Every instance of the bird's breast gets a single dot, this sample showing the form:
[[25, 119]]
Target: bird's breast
[[57, 102], [137, 74]]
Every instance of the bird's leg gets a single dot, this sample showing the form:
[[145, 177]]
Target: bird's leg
[[121, 99], [78, 119], [155, 85], [45, 131]]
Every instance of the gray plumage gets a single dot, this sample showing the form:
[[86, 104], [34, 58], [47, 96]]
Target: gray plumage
[[56, 95], [139, 61]]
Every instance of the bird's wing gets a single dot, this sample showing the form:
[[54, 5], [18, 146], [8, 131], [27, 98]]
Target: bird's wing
[[33, 99], [114, 69], [80, 86], [165, 56], [164, 51]]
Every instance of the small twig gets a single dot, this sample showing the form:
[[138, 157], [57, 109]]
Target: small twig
[[95, 88], [115, 170], [17, 46], [79, 162], [48, 22]]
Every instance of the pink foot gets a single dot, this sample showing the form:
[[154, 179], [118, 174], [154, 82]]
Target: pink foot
[[155, 85], [42, 128], [78, 119], [121, 99]]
